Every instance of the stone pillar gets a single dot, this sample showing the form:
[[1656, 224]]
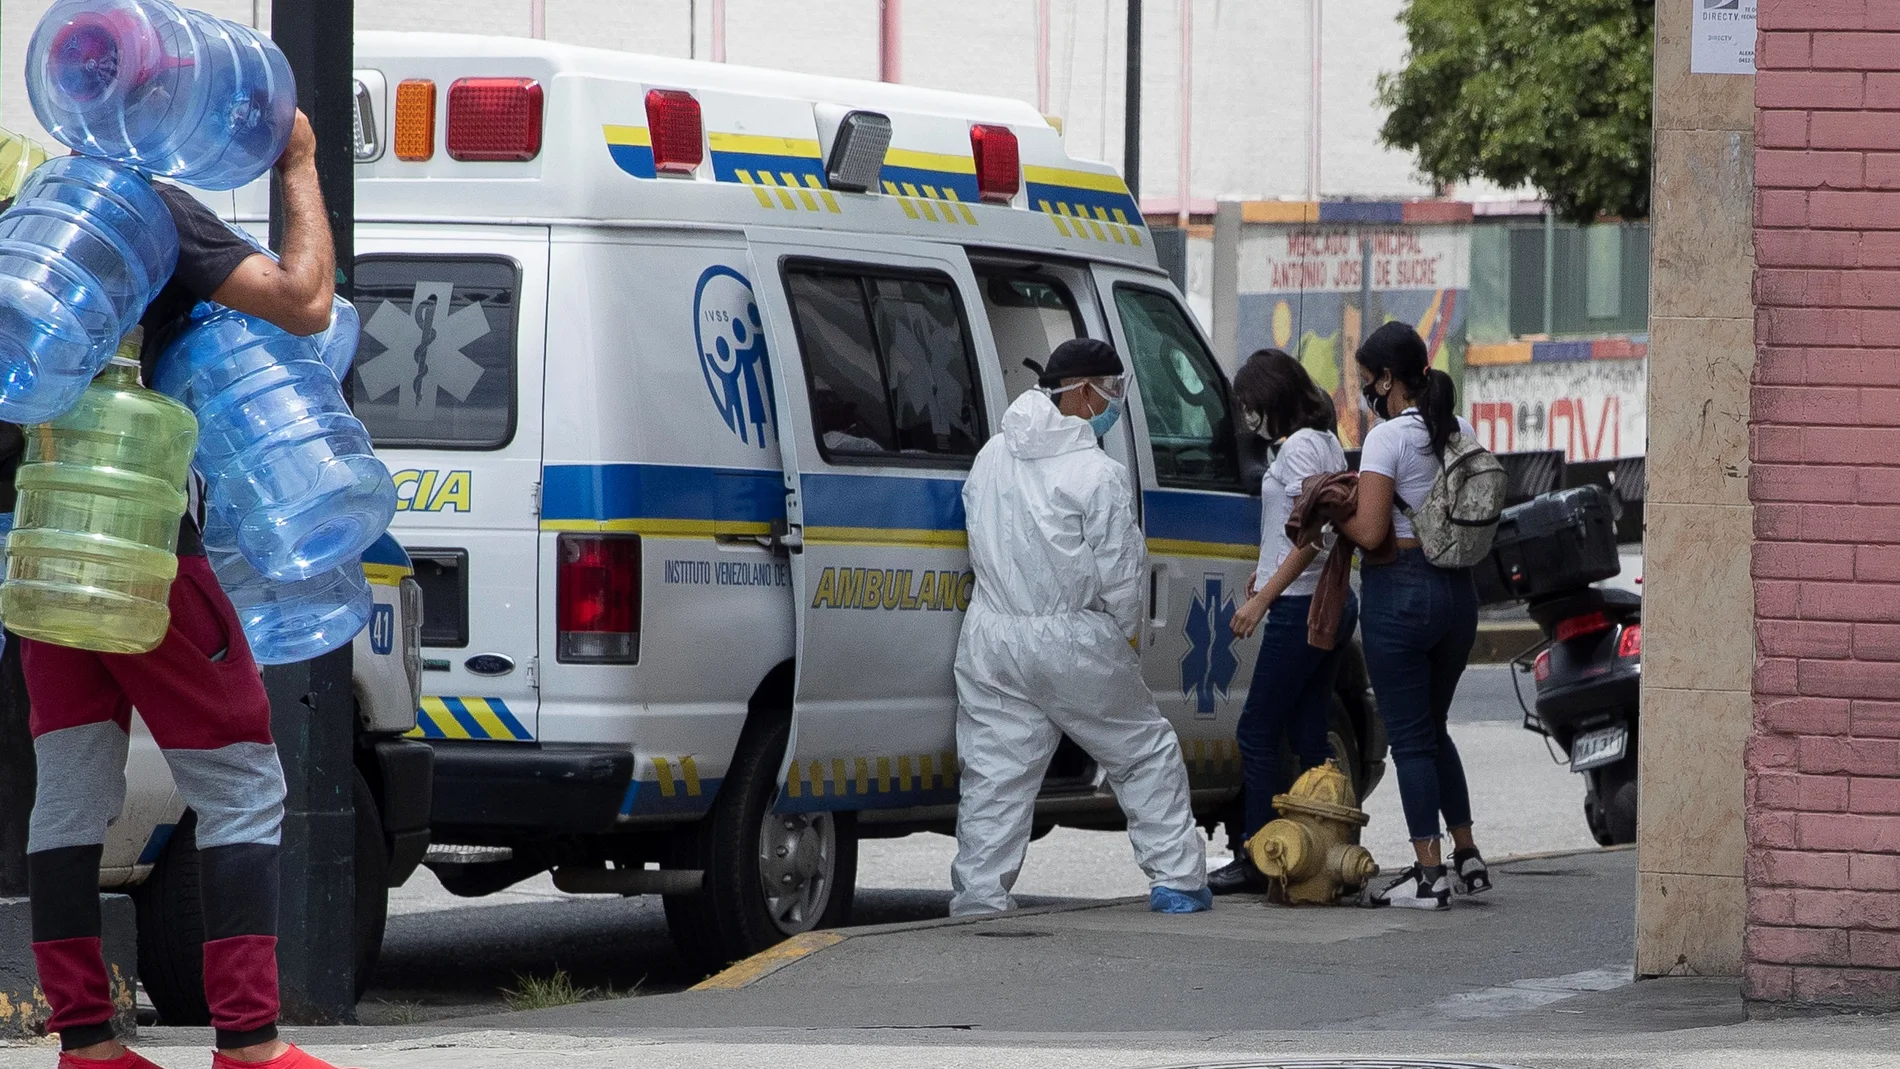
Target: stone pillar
[[1824, 760], [1698, 642]]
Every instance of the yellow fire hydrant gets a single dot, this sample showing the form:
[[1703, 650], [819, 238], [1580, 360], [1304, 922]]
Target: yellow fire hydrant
[[1309, 852]]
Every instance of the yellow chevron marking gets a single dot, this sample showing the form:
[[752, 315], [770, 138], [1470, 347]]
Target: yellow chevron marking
[[903, 772], [746, 179], [926, 772], [964, 209], [784, 195], [665, 772], [484, 715], [794, 784], [922, 204], [950, 770], [864, 776], [690, 769], [902, 201], [438, 712], [811, 203], [883, 775], [1113, 230], [1061, 227], [818, 779], [838, 777], [831, 202]]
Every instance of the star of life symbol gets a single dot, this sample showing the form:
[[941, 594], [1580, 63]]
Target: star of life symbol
[[422, 351], [731, 339], [1209, 667]]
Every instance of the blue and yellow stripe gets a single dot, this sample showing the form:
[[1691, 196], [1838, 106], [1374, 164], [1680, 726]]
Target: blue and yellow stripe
[[386, 563], [1085, 204], [1190, 523], [632, 149], [468, 718]]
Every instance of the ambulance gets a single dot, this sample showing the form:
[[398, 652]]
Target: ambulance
[[680, 367]]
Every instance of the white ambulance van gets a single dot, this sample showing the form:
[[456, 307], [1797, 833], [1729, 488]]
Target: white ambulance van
[[681, 367]]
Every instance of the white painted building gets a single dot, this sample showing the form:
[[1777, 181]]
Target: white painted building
[[1253, 71]]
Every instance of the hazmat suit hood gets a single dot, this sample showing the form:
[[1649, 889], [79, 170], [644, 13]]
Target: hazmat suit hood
[[1035, 428]]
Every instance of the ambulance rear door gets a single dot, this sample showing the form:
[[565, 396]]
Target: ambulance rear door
[[448, 380], [887, 384]]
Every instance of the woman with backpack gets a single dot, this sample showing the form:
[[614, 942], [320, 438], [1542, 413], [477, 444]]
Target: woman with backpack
[[1418, 619], [1292, 685]]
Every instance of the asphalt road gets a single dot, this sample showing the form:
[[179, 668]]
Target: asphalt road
[[450, 956]]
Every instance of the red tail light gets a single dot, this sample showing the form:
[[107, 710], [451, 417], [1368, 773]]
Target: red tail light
[[495, 119], [999, 172], [1587, 624], [1631, 642], [597, 599], [673, 125], [1540, 669]]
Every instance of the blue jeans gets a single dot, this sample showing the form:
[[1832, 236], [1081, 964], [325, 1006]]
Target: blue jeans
[[1420, 621], [1291, 692]]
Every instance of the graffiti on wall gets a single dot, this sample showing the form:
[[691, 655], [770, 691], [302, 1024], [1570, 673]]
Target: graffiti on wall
[[1302, 289], [1590, 409]]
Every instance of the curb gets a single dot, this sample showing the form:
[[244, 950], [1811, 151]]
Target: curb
[[751, 970]]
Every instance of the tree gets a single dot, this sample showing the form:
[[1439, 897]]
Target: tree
[[1553, 93]]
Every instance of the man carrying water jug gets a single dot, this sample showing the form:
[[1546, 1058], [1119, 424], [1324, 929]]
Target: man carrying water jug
[[199, 692]]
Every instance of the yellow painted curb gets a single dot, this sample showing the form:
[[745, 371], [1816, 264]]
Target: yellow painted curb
[[767, 962]]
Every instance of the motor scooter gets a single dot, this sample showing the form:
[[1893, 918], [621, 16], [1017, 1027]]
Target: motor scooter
[[1588, 678]]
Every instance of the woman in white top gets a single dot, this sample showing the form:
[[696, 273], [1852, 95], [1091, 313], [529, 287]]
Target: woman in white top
[[1292, 681], [1419, 619]]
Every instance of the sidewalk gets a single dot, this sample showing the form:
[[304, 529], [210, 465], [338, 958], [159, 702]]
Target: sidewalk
[[1535, 974]]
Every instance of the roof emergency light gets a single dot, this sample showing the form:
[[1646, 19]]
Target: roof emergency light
[[999, 172], [674, 127], [494, 119], [858, 143], [415, 120]]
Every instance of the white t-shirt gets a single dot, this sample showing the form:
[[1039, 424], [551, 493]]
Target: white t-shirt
[[1400, 450], [1305, 453]]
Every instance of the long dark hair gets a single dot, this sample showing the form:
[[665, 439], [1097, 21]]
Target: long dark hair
[[1275, 386], [1397, 348]]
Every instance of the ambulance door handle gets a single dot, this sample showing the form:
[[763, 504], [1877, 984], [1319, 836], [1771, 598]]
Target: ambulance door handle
[[1157, 596]]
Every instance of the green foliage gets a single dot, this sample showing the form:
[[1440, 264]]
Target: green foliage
[[1553, 93]]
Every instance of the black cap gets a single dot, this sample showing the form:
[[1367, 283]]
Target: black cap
[[1080, 358]]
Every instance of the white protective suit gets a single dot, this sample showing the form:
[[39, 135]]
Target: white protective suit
[[1045, 651]]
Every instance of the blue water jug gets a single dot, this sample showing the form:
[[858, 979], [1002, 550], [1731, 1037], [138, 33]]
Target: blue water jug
[[85, 246], [286, 622], [286, 463], [170, 91]]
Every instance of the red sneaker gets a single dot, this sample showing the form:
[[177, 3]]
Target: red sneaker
[[290, 1059], [129, 1060]]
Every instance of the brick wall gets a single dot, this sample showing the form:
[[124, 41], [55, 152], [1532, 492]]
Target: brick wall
[[1823, 794]]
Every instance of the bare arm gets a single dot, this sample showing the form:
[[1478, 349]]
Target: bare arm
[[295, 293], [1248, 616], [1372, 521]]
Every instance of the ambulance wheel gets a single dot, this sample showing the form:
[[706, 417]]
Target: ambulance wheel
[[171, 921], [769, 876]]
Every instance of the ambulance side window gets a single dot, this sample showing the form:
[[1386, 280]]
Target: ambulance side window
[[1030, 315], [1183, 394], [436, 364], [890, 365]]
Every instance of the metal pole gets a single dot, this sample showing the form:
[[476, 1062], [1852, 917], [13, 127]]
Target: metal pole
[[538, 19], [1131, 105], [1312, 113], [1042, 56], [890, 41], [1365, 321], [718, 31], [1550, 270], [313, 707], [1187, 109]]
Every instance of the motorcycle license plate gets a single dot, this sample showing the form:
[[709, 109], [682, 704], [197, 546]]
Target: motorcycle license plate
[[1598, 748]]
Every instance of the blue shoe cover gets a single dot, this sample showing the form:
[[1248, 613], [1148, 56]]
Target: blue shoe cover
[[1169, 900]]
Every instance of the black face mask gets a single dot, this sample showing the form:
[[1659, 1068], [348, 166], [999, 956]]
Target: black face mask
[[1374, 400]]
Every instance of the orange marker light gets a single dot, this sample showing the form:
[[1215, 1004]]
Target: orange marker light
[[415, 120]]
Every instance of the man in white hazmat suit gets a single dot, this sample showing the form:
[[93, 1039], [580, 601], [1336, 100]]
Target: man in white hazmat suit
[[1046, 650]]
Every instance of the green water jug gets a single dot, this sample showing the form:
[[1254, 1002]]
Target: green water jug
[[91, 559], [19, 155]]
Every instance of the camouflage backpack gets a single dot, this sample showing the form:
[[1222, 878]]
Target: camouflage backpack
[[1459, 518]]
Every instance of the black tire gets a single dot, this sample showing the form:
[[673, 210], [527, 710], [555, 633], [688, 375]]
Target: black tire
[[372, 884], [172, 931], [728, 919], [171, 923], [1343, 735], [1616, 802]]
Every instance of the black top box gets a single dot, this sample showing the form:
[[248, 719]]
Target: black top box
[[1555, 542]]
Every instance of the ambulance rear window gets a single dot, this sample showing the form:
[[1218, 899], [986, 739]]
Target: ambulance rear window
[[436, 366], [891, 367]]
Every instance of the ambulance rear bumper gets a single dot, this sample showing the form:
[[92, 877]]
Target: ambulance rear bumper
[[553, 789]]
